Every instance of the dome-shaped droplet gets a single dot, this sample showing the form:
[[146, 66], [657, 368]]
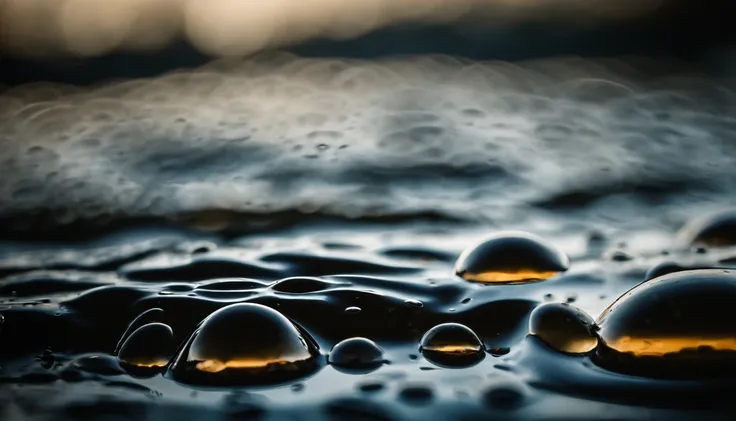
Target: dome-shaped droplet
[[451, 344], [148, 349], [713, 230], [511, 257], [245, 344], [563, 327], [149, 316], [356, 353], [676, 325], [662, 269]]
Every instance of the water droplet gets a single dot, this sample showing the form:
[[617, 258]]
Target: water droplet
[[661, 269], [297, 387], [504, 396], [149, 316], [148, 349], [353, 310], [465, 300], [245, 344], [371, 387], [451, 345], [713, 230], [356, 353], [414, 303], [563, 327], [549, 297], [677, 325], [416, 395], [620, 256], [511, 257], [498, 352]]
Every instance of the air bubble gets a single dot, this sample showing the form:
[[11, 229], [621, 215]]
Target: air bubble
[[676, 325], [511, 257], [356, 353], [563, 327], [713, 230], [245, 344], [451, 345], [148, 349]]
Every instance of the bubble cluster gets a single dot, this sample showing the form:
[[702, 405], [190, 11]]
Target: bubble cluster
[[242, 344], [511, 257], [676, 325]]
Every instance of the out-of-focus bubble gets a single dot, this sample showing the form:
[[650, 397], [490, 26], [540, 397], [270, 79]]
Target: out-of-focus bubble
[[714, 230]]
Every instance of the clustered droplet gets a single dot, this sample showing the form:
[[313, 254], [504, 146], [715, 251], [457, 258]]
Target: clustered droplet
[[511, 257], [563, 327]]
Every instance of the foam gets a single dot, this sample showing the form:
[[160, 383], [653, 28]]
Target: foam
[[361, 138]]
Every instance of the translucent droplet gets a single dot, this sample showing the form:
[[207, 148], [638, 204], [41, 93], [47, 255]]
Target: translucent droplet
[[414, 303], [356, 353], [676, 325], [452, 345], [713, 230], [149, 316], [353, 310], [245, 344], [511, 257], [148, 349], [563, 327]]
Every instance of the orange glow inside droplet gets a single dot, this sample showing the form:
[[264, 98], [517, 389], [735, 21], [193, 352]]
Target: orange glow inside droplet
[[652, 346], [215, 366], [523, 275], [453, 349]]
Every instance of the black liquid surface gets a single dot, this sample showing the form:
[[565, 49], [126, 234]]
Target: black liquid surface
[[59, 341]]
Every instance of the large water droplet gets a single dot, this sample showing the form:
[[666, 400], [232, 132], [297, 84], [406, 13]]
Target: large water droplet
[[452, 345], [677, 325], [511, 257], [356, 353], [713, 230], [148, 349], [245, 344], [563, 327]]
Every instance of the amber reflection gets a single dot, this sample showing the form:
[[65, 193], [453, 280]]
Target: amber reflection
[[452, 349], [215, 366], [660, 346], [146, 363], [577, 345], [508, 276]]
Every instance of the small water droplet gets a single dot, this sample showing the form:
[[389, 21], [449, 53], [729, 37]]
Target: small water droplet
[[451, 345], [356, 353], [148, 349], [563, 327]]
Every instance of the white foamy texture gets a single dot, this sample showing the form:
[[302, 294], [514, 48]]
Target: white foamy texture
[[242, 27], [357, 138]]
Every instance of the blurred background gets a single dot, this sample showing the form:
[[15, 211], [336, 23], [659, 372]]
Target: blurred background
[[82, 41]]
